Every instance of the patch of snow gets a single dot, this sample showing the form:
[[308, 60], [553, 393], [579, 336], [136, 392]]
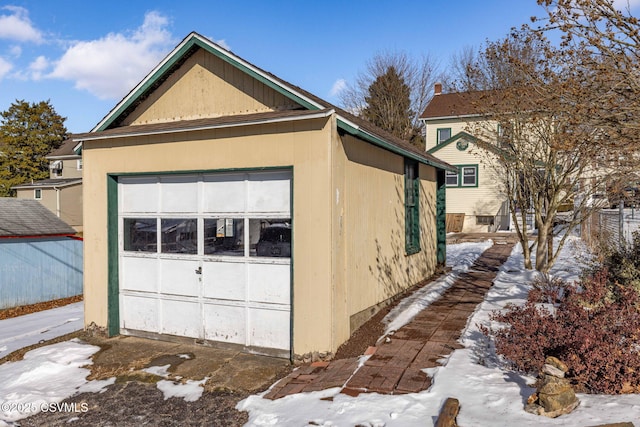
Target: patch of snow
[[23, 331], [189, 391], [46, 375], [161, 371]]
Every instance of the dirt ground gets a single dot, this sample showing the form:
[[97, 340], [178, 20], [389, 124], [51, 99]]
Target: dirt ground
[[136, 403]]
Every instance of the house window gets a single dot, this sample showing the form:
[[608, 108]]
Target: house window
[[443, 135], [484, 220], [412, 206], [504, 135], [451, 179], [56, 168], [37, 194], [469, 176]]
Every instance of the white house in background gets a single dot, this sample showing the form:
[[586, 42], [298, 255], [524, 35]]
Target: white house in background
[[475, 202]]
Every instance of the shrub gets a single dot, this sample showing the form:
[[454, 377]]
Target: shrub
[[594, 327]]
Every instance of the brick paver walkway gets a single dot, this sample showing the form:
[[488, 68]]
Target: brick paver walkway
[[397, 363]]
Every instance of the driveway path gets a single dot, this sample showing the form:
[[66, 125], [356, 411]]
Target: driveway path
[[395, 365]]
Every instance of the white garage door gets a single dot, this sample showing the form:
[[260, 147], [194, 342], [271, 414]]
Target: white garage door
[[208, 256]]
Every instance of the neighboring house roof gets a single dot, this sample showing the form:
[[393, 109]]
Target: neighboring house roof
[[49, 183], [26, 217], [68, 149], [345, 121], [456, 104]]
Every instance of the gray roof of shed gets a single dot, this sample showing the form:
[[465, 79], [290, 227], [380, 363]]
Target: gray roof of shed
[[27, 217], [49, 183]]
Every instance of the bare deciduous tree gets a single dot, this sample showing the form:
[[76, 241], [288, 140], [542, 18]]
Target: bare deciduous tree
[[418, 75], [606, 37], [533, 135]]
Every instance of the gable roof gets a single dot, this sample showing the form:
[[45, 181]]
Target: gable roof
[[454, 138], [69, 148], [27, 217], [194, 41], [456, 104]]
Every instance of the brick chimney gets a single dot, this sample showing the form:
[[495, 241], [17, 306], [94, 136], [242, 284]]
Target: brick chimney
[[437, 89]]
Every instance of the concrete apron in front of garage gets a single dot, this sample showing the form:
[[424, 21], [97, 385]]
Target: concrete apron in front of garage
[[127, 358]]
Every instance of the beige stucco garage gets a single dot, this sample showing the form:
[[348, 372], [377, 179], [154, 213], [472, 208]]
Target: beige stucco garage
[[226, 206]]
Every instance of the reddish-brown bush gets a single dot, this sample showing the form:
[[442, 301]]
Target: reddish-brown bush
[[594, 327]]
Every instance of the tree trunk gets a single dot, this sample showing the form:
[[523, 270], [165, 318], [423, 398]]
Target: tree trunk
[[541, 248]]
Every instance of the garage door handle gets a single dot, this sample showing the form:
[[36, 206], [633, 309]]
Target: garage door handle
[[199, 270]]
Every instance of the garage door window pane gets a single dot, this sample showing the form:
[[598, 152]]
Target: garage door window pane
[[224, 236], [179, 235], [140, 234], [270, 237]]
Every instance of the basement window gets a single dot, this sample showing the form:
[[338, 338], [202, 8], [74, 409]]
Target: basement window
[[485, 220]]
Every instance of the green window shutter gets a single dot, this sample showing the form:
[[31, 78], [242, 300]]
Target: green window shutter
[[441, 218], [412, 207]]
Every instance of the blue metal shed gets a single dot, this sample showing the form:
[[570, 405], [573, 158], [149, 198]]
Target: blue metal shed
[[40, 257]]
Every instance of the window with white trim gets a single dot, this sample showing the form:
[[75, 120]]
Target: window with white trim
[[469, 176], [37, 194], [451, 179]]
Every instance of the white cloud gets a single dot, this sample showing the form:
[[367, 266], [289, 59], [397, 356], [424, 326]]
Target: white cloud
[[222, 43], [38, 67], [111, 66], [338, 87], [15, 51], [5, 67], [17, 26]]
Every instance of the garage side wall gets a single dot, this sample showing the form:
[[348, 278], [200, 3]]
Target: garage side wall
[[303, 146], [372, 217]]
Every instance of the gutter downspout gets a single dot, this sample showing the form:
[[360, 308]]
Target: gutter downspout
[[57, 201]]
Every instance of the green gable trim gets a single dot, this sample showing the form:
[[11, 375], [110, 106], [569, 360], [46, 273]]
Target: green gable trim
[[343, 125], [454, 138], [193, 41]]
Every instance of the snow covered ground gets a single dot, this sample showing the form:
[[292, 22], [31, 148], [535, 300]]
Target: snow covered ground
[[23, 331], [489, 394]]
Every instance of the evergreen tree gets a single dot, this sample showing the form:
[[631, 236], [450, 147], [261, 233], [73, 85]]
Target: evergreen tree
[[28, 132], [388, 106]]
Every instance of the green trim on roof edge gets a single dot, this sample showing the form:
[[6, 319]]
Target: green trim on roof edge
[[194, 40], [454, 138], [388, 146]]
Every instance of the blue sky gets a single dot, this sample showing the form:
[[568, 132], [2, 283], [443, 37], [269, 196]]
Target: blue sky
[[85, 56]]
